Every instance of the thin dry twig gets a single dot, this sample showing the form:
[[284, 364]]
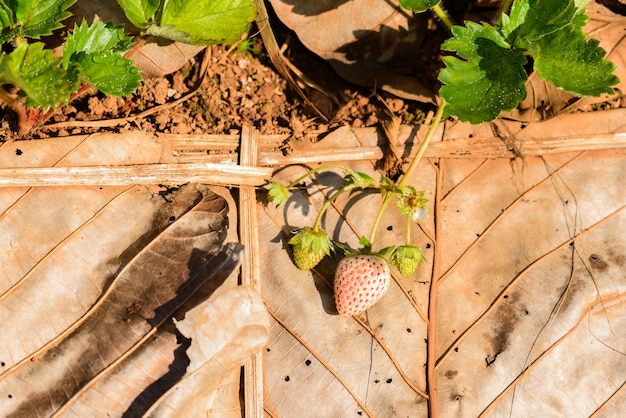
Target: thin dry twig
[[251, 267], [208, 173]]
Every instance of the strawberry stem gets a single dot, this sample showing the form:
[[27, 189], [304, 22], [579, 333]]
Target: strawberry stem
[[408, 229], [315, 170], [327, 203], [409, 171], [506, 6], [443, 16]]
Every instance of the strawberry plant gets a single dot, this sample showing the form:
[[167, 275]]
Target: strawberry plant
[[484, 74], [34, 81]]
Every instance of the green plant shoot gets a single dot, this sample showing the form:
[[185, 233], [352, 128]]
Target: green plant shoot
[[489, 77]]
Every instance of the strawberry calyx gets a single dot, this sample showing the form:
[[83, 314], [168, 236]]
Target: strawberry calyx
[[310, 246], [406, 258], [277, 193]]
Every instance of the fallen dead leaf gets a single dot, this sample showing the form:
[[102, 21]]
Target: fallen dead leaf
[[523, 289], [100, 287], [368, 42], [239, 325]]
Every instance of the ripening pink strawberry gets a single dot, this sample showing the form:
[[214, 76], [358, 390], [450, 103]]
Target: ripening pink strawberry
[[360, 281]]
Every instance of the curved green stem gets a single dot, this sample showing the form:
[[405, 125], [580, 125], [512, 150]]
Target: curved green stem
[[327, 203], [315, 170], [422, 149], [418, 156], [379, 216], [408, 229], [443, 16]]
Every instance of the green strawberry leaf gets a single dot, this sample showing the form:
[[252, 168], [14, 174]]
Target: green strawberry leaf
[[552, 32], [139, 12], [419, 5], [95, 39], [490, 79], [40, 17], [37, 73], [567, 60], [204, 22], [530, 20], [464, 42], [109, 73], [7, 17], [94, 54]]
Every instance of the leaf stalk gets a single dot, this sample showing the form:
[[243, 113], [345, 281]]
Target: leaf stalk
[[412, 166], [443, 16], [327, 203]]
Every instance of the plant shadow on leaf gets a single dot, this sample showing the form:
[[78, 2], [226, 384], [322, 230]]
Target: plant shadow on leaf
[[387, 46], [124, 316], [163, 275], [354, 199], [299, 199], [209, 272], [616, 6], [158, 388], [314, 8], [323, 277], [387, 56]]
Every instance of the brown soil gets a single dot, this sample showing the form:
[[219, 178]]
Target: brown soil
[[239, 87]]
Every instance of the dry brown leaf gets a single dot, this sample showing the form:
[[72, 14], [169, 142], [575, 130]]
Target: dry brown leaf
[[527, 308], [89, 276], [368, 42], [542, 102], [364, 40], [223, 334], [159, 57]]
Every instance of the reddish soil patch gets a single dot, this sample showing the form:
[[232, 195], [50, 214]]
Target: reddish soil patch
[[239, 87]]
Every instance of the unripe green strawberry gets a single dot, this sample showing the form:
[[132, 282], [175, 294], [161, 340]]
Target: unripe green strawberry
[[406, 258], [360, 281], [309, 247]]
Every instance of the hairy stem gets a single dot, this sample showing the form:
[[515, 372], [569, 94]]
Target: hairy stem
[[443, 16], [408, 229]]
